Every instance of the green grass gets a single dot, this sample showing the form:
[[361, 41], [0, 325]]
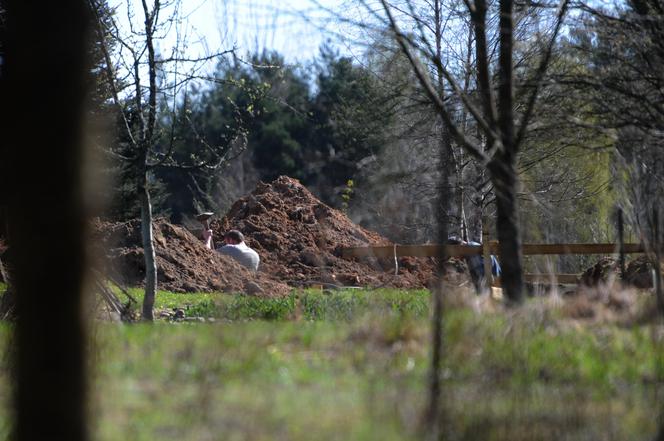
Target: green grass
[[352, 365], [519, 348], [305, 305], [365, 379]]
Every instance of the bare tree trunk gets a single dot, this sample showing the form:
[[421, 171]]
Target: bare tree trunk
[[504, 180], [444, 205], [459, 191], [475, 212], [433, 416], [41, 159], [503, 174], [148, 249], [448, 207]]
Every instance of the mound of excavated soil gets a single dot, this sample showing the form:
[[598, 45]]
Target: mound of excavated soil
[[183, 262], [299, 240], [600, 272], [638, 272]]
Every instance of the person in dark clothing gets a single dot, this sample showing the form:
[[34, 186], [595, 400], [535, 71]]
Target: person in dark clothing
[[476, 264]]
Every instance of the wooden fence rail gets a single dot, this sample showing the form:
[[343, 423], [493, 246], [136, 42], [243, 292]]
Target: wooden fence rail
[[389, 251], [491, 247]]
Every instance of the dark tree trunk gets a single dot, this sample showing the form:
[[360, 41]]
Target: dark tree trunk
[[42, 90], [433, 416], [447, 207], [504, 179], [148, 248], [503, 166], [434, 409]]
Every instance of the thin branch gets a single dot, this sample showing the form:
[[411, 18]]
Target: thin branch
[[472, 148], [539, 74], [110, 74]]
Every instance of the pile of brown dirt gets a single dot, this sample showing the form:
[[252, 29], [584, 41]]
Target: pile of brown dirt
[[638, 272], [606, 268], [183, 262], [299, 240]]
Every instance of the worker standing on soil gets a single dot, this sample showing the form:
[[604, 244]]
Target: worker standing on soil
[[476, 264], [238, 250]]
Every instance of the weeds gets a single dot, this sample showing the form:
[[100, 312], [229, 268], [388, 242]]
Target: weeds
[[353, 365], [506, 377]]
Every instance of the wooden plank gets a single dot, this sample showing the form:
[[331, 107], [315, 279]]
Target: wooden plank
[[387, 251]]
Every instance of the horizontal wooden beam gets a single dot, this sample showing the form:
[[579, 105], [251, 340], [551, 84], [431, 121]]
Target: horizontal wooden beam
[[411, 251], [388, 251]]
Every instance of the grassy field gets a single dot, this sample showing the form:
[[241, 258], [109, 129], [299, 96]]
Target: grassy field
[[352, 366]]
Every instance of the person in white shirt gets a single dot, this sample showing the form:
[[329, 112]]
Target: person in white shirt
[[238, 250]]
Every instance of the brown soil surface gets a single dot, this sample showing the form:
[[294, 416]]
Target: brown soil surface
[[299, 240], [600, 272], [183, 262], [638, 272]]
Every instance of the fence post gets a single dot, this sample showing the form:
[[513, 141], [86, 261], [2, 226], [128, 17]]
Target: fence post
[[486, 254]]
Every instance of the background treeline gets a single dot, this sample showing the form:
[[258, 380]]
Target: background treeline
[[319, 123], [360, 134]]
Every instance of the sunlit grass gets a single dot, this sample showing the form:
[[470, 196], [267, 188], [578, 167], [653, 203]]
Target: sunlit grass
[[353, 365], [365, 379], [304, 305]]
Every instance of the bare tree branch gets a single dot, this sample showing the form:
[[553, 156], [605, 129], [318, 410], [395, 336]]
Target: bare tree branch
[[539, 73], [430, 91]]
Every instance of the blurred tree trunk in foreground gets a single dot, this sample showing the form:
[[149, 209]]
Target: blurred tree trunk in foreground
[[42, 88]]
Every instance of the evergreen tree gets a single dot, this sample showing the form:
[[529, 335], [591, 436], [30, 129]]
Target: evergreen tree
[[352, 112]]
